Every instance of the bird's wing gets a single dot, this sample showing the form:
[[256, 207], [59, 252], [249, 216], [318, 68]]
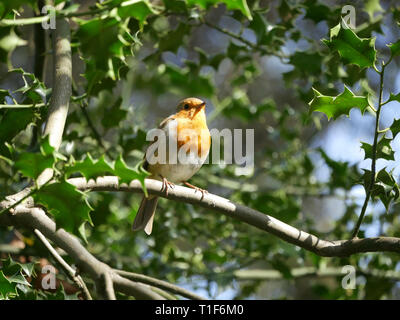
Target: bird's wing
[[163, 123], [164, 126]]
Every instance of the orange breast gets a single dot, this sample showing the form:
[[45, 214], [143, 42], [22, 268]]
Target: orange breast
[[194, 133]]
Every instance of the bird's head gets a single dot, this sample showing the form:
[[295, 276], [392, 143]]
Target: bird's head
[[189, 107]]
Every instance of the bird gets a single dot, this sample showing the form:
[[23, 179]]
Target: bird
[[188, 129]]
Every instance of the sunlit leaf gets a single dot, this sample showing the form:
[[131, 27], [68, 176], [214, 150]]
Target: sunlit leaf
[[333, 107], [351, 48]]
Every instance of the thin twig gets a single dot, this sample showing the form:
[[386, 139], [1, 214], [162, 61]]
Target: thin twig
[[374, 149], [135, 289], [159, 284], [245, 41], [67, 268], [21, 106]]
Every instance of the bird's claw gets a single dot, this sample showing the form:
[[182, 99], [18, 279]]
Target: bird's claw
[[166, 185], [203, 191]]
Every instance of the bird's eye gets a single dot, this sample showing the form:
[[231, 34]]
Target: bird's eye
[[186, 106]]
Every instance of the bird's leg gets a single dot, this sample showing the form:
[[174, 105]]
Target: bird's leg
[[203, 192], [166, 184]]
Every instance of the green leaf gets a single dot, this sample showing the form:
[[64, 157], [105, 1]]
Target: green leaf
[[7, 288], [174, 39], [259, 26], [100, 48], [68, 205], [371, 7], [32, 164], [114, 115], [351, 48], [395, 127], [394, 48], [383, 149], [178, 6], [10, 267], [333, 107], [13, 122], [393, 97], [139, 10], [33, 89], [385, 188], [316, 11], [8, 42], [126, 174], [240, 5], [308, 63], [90, 168]]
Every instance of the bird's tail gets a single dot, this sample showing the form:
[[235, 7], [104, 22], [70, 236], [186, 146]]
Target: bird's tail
[[145, 215]]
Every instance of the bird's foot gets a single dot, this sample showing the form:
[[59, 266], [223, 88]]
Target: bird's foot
[[203, 192], [166, 185]]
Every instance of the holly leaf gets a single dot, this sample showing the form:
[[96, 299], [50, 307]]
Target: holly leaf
[[32, 164], [394, 48], [126, 174], [383, 149], [90, 168], [316, 11], [333, 107], [7, 287], [395, 127], [13, 122], [307, 63], [385, 188], [12, 267], [393, 97], [259, 25], [68, 205], [350, 47], [33, 89], [139, 10]]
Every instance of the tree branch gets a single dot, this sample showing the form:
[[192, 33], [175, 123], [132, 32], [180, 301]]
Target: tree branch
[[262, 274], [62, 89], [67, 268], [250, 216], [107, 286], [159, 284], [135, 289], [35, 218]]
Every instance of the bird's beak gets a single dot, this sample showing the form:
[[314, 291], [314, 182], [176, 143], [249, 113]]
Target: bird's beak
[[199, 107]]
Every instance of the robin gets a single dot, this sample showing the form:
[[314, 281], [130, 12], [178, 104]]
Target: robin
[[188, 130]]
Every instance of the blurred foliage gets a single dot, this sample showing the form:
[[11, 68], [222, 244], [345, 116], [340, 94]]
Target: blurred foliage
[[258, 64]]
